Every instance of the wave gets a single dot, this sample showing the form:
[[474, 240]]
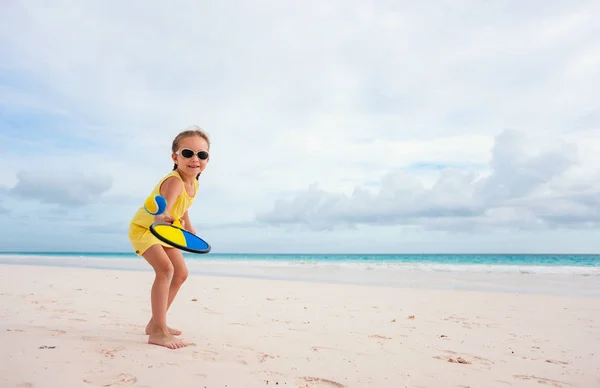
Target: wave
[[292, 262]]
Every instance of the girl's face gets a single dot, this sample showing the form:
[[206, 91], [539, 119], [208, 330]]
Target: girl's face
[[192, 155]]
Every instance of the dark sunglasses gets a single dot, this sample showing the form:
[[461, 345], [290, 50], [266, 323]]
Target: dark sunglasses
[[187, 153]]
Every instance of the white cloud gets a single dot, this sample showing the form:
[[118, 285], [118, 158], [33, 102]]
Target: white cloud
[[72, 189], [352, 99], [522, 189]]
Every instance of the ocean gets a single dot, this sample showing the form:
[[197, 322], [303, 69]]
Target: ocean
[[556, 263], [568, 274]]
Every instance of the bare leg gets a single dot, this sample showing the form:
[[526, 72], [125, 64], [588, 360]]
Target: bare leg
[[164, 270], [180, 275]]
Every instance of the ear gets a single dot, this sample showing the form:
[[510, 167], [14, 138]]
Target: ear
[[174, 157]]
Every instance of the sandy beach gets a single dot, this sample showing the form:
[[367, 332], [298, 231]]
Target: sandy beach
[[78, 327]]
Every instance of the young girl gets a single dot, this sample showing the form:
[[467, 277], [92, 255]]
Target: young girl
[[190, 153]]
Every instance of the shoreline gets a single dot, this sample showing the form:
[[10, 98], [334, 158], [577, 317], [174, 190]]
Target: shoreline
[[548, 280], [84, 327]]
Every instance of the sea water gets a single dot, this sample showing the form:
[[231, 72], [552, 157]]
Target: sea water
[[542, 263], [565, 274]]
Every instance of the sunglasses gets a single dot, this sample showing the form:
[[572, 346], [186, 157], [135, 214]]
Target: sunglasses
[[187, 153]]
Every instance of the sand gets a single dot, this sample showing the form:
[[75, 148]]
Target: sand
[[78, 327]]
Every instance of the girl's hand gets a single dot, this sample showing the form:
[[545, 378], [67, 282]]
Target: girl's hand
[[164, 218], [190, 229]]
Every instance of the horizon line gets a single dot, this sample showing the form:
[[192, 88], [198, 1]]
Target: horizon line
[[311, 253]]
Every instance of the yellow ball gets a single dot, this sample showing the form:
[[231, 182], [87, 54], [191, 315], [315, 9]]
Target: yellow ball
[[155, 204]]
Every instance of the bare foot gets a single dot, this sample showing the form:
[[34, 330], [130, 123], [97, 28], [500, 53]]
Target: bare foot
[[167, 340], [171, 330]]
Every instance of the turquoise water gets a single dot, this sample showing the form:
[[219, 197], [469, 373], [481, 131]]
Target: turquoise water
[[534, 260], [564, 274]]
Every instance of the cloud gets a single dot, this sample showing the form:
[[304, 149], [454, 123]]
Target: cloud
[[355, 64], [112, 228], [515, 173], [519, 191], [389, 113], [66, 189], [3, 194]]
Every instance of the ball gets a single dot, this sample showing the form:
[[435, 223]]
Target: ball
[[155, 205]]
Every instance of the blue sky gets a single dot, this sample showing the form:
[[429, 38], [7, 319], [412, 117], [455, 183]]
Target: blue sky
[[345, 127]]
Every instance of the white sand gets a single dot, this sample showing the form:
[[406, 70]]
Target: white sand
[[72, 327]]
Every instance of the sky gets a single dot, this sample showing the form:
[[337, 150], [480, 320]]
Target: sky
[[335, 127]]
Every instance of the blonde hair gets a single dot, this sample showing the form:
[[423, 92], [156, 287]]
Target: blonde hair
[[193, 130]]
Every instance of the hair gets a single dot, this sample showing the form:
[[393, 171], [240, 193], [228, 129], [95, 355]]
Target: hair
[[193, 130]]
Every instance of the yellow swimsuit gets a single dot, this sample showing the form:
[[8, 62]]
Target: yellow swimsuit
[[139, 233]]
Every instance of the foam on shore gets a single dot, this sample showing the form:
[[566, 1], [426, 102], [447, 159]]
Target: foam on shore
[[550, 279]]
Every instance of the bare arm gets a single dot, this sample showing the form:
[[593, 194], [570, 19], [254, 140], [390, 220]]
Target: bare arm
[[187, 223], [170, 190]]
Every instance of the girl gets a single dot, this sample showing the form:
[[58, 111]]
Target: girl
[[190, 153]]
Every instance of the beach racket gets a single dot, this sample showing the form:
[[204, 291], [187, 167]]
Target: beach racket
[[173, 234], [179, 238]]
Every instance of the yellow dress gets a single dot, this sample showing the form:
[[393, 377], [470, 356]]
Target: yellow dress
[[139, 233]]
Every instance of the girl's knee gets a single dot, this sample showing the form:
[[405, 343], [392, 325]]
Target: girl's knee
[[181, 276], [159, 260], [165, 270]]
